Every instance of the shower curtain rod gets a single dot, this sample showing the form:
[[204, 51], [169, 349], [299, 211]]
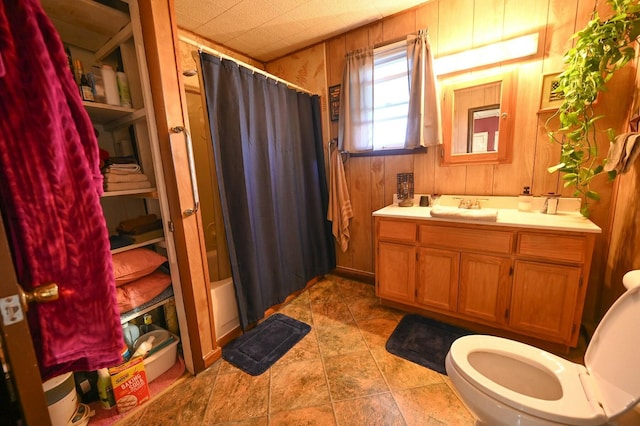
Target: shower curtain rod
[[242, 64]]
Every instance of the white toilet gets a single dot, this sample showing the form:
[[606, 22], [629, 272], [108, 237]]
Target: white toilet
[[631, 279], [504, 382]]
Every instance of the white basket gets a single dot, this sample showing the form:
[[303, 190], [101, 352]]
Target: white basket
[[162, 360]]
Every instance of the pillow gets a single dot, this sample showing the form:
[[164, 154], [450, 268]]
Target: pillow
[[133, 264], [142, 290]]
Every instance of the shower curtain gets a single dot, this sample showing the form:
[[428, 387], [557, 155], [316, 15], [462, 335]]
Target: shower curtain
[[268, 152]]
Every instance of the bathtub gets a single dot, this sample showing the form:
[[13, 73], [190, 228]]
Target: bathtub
[[225, 308]]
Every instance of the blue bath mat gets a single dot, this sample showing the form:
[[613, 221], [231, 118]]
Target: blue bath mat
[[424, 341], [254, 352]]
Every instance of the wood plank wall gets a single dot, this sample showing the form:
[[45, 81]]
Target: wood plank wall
[[624, 252], [456, 25]]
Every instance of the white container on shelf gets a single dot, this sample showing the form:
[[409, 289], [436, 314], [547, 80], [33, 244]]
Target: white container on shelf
[[110, 85], [162, 360]]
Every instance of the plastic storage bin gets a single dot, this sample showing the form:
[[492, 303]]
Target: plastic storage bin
[[164, 358]]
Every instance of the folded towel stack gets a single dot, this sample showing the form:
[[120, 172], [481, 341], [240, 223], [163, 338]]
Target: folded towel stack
[[121, 177], [137, 230], [489, 215]]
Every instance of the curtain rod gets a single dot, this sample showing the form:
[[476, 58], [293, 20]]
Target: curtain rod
[[242, 64]]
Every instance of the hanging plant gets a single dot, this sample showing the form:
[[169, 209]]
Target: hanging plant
[[601, 48]]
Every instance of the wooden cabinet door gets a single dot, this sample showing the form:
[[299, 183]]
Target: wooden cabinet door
[[485, 285], [437, 279], [396, 272], [543, 299]]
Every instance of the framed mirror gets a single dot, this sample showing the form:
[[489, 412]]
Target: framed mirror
[[478, 117]]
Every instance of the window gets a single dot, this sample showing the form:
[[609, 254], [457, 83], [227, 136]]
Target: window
[[383, 112], [390, 96]]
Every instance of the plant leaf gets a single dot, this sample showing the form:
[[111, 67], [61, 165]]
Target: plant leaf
[[593, 195], [584, 211], [555, 168]]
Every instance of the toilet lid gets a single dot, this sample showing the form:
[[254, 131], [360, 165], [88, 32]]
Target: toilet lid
[[612, 355]]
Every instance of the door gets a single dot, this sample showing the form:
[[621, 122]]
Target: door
[[484, 287], [17, 346], [544, 298], [215, 235], [395, 272], [437, 282]]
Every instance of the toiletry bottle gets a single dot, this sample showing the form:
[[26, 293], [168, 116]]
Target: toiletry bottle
[[123, 88], [130, 332], [98, 86], [148, 322], [86, 91], [144, 347], [524, 200], [105, 389]]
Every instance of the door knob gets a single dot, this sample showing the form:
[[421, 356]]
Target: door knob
[[44, 293]]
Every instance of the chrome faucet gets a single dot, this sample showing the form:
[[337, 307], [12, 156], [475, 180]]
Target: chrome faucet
[[467, 203]]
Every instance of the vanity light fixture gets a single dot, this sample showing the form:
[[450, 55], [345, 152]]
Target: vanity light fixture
[[514, 48]]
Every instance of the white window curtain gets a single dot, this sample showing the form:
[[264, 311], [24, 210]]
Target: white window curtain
[[423, 124], [355, 125]]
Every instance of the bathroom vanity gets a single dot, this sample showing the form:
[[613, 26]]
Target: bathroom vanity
[[524, 273]]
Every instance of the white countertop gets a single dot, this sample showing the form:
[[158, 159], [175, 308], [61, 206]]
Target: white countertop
[[563, 220]]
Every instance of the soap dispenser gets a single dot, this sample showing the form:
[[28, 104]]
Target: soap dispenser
[[524, 200]]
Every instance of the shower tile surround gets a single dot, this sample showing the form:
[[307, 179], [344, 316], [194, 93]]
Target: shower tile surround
[[339, 374]]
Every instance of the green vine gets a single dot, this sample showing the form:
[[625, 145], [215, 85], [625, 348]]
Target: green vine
[[601, 48]]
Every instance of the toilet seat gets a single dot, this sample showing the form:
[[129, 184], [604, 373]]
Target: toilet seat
[[608, 384], [573, 407]]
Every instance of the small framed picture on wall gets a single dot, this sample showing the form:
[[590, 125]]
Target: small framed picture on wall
[[550, 99], [334, 102]]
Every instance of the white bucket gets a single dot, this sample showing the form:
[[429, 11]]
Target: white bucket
[[62, 398]]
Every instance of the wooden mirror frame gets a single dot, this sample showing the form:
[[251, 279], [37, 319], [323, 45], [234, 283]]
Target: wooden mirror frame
[[505, 128]]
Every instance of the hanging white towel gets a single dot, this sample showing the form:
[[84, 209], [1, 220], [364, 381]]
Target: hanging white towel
[[623, 152], [340, 211]]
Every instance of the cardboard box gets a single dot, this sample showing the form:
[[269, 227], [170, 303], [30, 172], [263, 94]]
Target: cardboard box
[[130, 386]]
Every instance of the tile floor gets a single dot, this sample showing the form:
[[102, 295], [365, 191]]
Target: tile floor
[[339, 374]]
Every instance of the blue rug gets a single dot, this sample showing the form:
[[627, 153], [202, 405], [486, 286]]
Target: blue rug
[[424, 341], [254, 352]]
